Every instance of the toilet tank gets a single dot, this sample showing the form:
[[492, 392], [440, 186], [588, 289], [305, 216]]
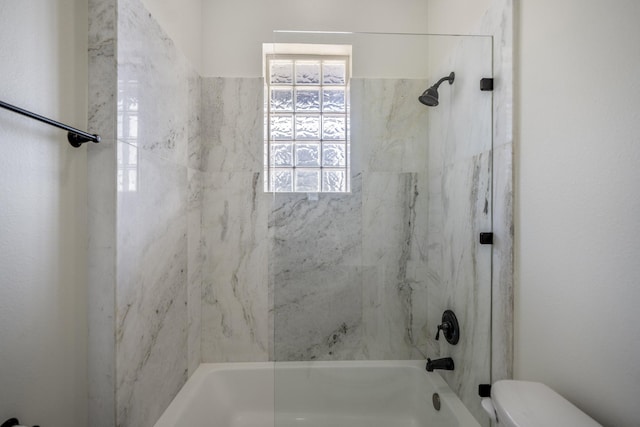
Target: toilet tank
[[532, 404]]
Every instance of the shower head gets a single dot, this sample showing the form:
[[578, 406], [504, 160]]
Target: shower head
[[430, 96]]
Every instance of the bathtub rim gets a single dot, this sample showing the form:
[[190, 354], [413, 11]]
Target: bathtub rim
[[171, 416]]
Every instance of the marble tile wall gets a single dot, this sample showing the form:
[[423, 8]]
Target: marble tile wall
[[292, 278], [101, 182], [499, 22], [315, 270], [234, 227], [197, 256], [470, 178], [159, 255], [234, 292], [149, 172], [459, 204], [199, 265]]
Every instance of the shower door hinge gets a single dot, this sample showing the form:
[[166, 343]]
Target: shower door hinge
[[484, 390], [486, 238], [486, 84]]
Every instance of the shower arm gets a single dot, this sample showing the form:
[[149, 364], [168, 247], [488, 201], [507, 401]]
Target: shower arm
[[76, 137], [447, 78]]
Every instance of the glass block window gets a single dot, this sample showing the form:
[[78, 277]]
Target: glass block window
[[307, 124]]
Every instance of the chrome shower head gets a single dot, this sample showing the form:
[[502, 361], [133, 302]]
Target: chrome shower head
[[430, 96]]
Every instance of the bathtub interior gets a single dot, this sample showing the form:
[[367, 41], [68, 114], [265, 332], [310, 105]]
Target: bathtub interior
[[315, 394]]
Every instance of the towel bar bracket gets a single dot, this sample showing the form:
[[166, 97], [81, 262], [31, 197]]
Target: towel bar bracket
[[77, 140], [76, 137]]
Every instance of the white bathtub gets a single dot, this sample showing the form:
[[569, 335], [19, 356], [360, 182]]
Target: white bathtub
[[315, 394]]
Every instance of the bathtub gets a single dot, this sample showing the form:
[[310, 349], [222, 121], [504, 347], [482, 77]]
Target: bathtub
[[315, 394]]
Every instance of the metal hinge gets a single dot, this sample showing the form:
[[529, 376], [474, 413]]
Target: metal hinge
[[486, 238], [486, 84]]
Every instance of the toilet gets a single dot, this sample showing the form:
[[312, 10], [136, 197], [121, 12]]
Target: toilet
[[532, 404]]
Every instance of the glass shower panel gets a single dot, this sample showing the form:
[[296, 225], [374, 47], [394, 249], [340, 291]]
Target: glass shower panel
[[366, 275]]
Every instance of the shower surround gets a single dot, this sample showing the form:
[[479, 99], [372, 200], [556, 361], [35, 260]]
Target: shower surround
[[194, 263]]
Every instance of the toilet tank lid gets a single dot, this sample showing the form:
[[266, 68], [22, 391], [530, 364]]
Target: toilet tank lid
[[532, 404]]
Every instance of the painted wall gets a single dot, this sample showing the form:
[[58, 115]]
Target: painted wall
[[578, 233], [43, 240], [455, 16], [233, 32]]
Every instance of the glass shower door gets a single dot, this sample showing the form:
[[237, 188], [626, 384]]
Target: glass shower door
[[366, 275]]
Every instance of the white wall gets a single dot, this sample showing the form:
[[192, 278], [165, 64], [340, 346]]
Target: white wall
[[577, 158], [43, 50], [578, 203], [454, 16], [233, 31], [182, 20]]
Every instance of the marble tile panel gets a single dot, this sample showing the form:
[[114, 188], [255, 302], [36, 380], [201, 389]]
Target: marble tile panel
[[307, 233], [499, 22], [194, 127], [102, 69], [153, 86], [460, 274], [140, 326], [502, 271], [233, 116], [388, 125], [460, 127], [394, 235], [196, 261], [235, 295], [102, 91], [102, 21], [318, 314], [459, 208], [101, 258], [151, 294], [316, 253]]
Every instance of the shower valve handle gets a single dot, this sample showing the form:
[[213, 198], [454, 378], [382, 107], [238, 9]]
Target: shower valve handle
[[443, 327], [449, 327]]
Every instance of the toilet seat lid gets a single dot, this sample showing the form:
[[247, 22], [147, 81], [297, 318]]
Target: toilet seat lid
[[532, 404]]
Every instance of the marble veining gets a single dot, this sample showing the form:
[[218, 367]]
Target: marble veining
[[343, 271], [394, 256], [234, 293], [466, 272], [499, 21], [389, 128], [151, 298], [315, 268], [150, 69], [469, 192], [196, 261], [232, 124], [196, 154], [146, 251]]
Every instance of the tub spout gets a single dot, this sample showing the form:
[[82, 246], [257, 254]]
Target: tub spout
[[445, 363]]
